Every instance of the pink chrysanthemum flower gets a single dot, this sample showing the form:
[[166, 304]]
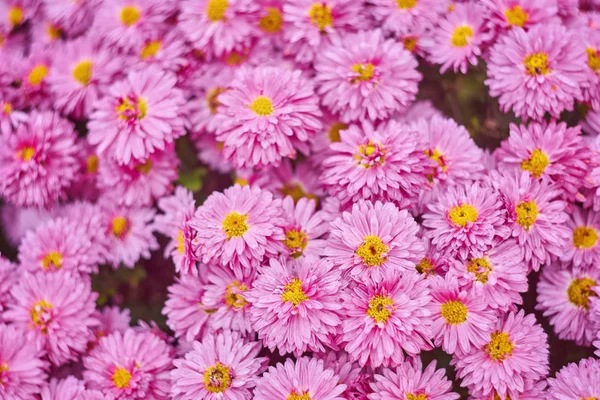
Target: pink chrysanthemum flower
[[73, 17], [186, 314], [582, 248], [16, 221], [496, 274], [508, 14], [60, 244], [34, 87], [222, 366], [128, 234], [311, 25], [139, 183], [410, 381], [111, 319], [549, 151], [140, 115], [10, 118], [535, 216], [462, 319], [205, 120], [533, 390], [434, 262], [465, 219], [163, 48], [564, 294], [306, 378], [266, 115], [383, 321], [366, 77], [132, 365], [295, 306], [401, 16], [226, 294], [386, 163], [69, 388], [537, 72], [303, 228], [515, 355], [14, 13], [37, 162], [331, 133], [591, 39], [459, 39], [210, 153], [81, 74], [373, 240], [217, 27], [22, 370], [58, 309], [349, 373], [238, 228], [9, 276], [576, 381]]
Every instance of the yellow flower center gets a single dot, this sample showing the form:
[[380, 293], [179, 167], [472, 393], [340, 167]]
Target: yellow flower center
[[26, 153], [37, 75], [212, 98], [83, 72], [425, 266], [6, 108], [54, 32], [481, 268], [241, 181], [334, 131], [438, 157], [461, 36], [421, 396], [536, 164], [380, 308], [16, 16], [527, 212], [320, 16], [121, 378], [364, 71], [41, 314], [585, 237], [92, 164], [180, 242], [216, 10], [410, 43], [235, 224], [262, 106], [217, 378], [145, 167], [499, 346], [120, 226], [580, 290], [236, 58], [128, 111], [295, 240], [296, 192], [593, 59], [130, 15], [373, 251], [233, 294], [52, 259], [463, 214], [296, 396], [370, 154], [406, 4], [454, 312], [272, 22], [537, 64], [150, 49], [516, 16], [3, 369], [293, 292]]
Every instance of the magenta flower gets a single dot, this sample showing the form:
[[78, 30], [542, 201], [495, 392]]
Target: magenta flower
[[33, 75], [582, 248], [303, 228], [508, 14], [111, 319], [72, 17], [434, 262], [402, 16], [163, 49], [576, 381]]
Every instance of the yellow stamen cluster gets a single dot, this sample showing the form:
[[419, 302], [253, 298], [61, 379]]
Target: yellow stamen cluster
[[320, 16], [463, 214], [233, 295], [26, 153], [579, 292], [295, 240], [454, 312], [500, 347], [40, 315], [16, 16], [373, 251], [585, 237], [180, 242], [83, 72], [380, 308], [272, 22], [593, 59], [52, 259], [37, 75], [370, 154], [130, 15], [461, 36], [293, 292], [144, 167], [212, 98], [537, 64], [516, 16], [150, 49], [406, 4], [120, 226], [235, 224], [426, 266], [296, 396], [92, 164], [121, 378], [216, 10], [365, 72], [296, 191], [217, 378], [262, 106], [527, 213], [334, 131], [481, 268], [536, 163]]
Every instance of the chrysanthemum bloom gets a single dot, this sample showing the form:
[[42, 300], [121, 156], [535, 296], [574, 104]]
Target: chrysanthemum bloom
[[311, 25], [465, 219], [9, 275], [80, 75], [535, 216], [537, 72], [582, 248], [9, 117], [38, 161], [85, 185], [303, 228], [60, 244], [306, 378], [591, 39], [33, 76], [363, 76], [549, 151], [111, 320], [132, 365], [296, 307], [16, 221], [373, 240], [576, 381], [349, 373], [401, 16], [534, 390], [386, 163], [462, 319], [515, 355], [205, 117], [266, 115], [507, 14], [384, 320], [210, 152], [564, 293], [22, 370], [163, 48], [14, 13], [331, 133], [186, 314], [128, 234], [434, 262], [46, 34], [140, 115], [222, 366], [238, 227], [73, 17], [459, 39], [58, 309], [409, 381], [69, 388]]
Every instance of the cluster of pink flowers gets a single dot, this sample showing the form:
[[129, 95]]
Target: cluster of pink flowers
[[363, 226]]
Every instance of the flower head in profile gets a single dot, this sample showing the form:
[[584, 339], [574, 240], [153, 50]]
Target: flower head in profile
[[576, 381]]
